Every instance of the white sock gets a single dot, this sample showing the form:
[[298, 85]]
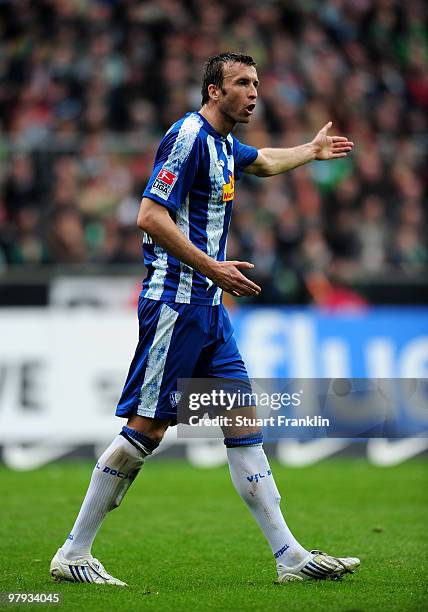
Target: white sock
[[112, 476], [252, 477]]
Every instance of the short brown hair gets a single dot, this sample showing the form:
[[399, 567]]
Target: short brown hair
[[213, 70]]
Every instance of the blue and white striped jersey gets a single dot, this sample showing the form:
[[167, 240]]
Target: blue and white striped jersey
[[193, 176]]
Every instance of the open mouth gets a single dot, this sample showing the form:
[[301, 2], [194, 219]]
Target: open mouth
[[250, 108]]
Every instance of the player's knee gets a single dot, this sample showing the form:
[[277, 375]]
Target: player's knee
[[157, 436], [153, 429]]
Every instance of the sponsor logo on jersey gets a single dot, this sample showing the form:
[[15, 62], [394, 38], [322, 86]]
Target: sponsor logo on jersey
[[163, 183], [229, 189]]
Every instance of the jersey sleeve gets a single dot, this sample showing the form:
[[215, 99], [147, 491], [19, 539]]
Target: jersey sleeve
[[244, 156], [175, 166]]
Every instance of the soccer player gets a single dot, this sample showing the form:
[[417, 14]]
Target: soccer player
[[184, 328]]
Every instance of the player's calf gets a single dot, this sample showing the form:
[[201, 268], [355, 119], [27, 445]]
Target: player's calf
[[253, 479], [113, 474]]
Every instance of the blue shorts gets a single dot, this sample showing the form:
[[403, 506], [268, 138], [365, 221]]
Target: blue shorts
[[177, 341]]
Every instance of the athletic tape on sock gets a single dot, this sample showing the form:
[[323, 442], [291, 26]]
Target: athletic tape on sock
[[145, 444]]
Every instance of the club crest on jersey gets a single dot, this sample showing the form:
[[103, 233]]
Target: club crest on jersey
[[229, 189], [174, 398], [163, 183]]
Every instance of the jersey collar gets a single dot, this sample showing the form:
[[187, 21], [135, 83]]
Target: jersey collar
[[209, 128]]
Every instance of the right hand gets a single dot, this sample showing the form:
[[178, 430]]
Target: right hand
[[227, 276]]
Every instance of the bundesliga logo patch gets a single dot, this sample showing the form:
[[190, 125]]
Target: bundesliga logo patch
[[163, 183]]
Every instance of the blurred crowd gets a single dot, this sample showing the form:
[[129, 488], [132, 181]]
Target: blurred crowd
[[88, 87]]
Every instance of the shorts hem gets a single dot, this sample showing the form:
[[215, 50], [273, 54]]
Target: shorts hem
[[152, 415]]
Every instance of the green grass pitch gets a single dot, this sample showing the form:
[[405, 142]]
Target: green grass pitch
[[183, 539]]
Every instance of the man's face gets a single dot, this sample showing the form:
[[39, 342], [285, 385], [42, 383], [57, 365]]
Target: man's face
[[238, 95]]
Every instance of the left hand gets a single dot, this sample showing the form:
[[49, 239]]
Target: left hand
[[330, 147]]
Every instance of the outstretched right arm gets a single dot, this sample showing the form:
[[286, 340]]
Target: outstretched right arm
[[155, 220]]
